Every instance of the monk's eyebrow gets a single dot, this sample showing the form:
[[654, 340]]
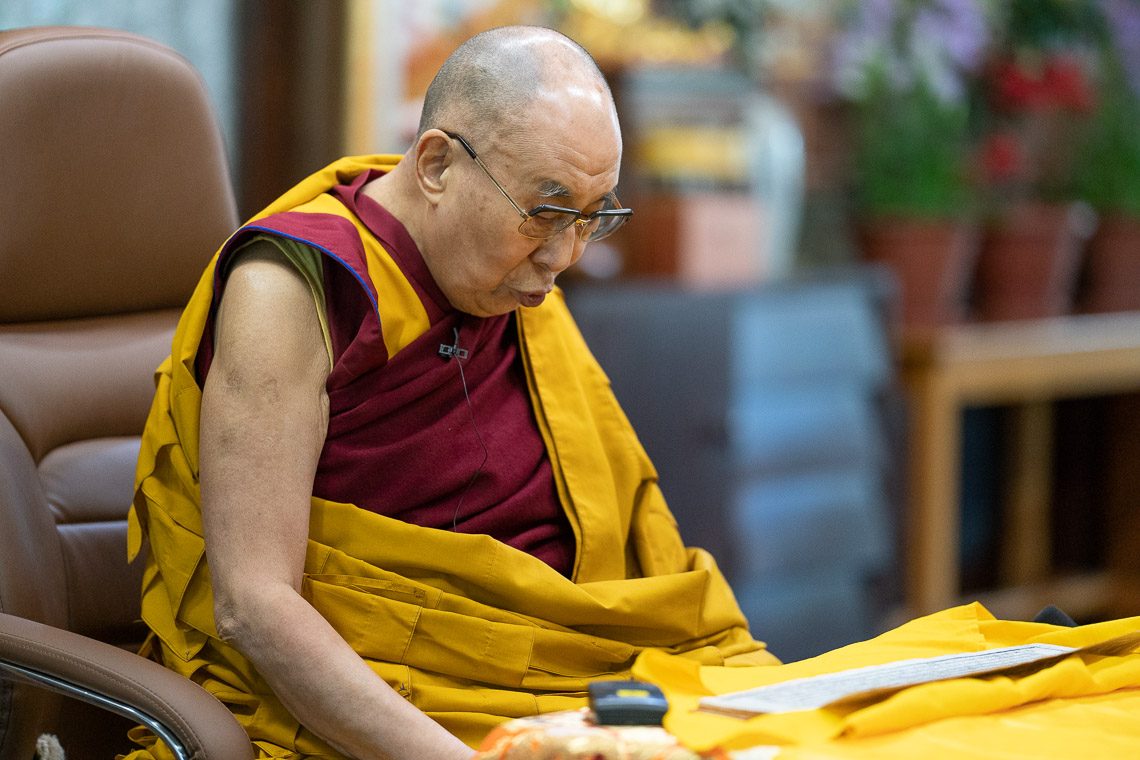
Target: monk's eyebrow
[[551, 189]]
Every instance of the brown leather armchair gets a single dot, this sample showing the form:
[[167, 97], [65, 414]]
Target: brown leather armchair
[[114, 191]]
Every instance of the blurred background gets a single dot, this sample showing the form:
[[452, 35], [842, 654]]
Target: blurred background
[[842, 210]]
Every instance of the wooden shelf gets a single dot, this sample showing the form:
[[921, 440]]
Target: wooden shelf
[[1026, 365]]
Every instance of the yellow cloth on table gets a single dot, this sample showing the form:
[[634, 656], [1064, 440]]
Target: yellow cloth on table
[[1071, 708], [468, 629]]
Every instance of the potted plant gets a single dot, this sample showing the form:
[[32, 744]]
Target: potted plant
[[1109, 174], [904, 68], [1038, 93]]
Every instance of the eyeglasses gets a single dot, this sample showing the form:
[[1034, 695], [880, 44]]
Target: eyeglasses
[[545, 221]]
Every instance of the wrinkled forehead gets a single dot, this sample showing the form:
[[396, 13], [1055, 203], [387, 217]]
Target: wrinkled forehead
[[568, 156], [579, 116], [563, 132]]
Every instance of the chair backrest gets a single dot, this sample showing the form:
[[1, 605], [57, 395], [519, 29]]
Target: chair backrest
[[114, 192]]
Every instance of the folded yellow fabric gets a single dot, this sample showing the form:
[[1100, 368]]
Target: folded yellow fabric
[[934, 719]]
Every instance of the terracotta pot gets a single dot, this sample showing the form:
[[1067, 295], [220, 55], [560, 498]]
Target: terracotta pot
[[1028, 265], [932, 261], [1112, 266]]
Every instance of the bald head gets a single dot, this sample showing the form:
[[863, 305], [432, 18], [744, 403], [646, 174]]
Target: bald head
[[491, 78]]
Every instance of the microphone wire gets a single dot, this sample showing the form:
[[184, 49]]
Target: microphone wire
[[478, 436]]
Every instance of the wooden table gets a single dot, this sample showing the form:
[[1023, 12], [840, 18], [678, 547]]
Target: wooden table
[[1025, 365]]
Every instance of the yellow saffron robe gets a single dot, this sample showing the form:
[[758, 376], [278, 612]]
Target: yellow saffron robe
[[468, 629], [1086, 705]]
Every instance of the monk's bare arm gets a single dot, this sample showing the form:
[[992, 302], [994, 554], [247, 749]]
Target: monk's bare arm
[[264, 418]]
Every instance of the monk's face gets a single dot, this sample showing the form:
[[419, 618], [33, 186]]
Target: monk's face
[[567, 144]]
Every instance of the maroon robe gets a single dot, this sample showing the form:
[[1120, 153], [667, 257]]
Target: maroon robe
[[441, 443]]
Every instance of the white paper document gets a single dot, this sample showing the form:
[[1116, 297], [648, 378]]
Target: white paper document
[[820, 691]]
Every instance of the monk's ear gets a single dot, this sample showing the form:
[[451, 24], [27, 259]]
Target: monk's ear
[[433, 155]]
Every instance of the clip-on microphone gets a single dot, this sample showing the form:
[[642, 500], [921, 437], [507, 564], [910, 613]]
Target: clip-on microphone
[[446, 351]]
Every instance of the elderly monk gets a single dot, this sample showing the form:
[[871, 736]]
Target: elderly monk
[[389, 498]]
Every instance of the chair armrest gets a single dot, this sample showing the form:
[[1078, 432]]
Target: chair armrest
[[175, 708]]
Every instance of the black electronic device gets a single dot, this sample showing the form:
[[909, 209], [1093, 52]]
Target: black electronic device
[[627, 703]]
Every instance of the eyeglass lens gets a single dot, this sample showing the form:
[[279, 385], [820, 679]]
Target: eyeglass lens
[[549, 223]]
